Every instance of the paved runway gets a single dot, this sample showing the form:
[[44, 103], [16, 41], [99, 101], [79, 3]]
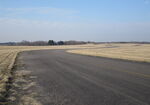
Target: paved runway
[[70, 79]]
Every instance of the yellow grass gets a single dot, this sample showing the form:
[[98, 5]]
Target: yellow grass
[[135, 52]]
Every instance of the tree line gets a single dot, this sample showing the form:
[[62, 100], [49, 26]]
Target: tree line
[[43, 43], [53, 43]]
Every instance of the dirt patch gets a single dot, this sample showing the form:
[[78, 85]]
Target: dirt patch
[[22, 88]]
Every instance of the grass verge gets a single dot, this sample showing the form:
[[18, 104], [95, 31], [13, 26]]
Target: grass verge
[[6, 75], [133, 52]]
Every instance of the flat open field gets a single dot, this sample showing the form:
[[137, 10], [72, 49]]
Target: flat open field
[[135, 52]]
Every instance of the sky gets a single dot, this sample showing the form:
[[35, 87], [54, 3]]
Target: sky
[[83, 20]]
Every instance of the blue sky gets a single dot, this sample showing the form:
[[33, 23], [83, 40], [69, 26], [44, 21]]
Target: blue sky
[[88, 20]]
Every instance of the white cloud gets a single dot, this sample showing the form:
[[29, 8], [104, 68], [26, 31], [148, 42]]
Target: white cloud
[[19, 29], [39, 11]]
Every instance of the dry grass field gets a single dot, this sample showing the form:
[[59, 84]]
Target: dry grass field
[[135, 52]]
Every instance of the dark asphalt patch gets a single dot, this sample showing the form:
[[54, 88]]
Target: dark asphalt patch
[[70, 79]]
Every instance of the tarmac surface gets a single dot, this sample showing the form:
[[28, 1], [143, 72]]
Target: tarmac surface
[[70, 79]]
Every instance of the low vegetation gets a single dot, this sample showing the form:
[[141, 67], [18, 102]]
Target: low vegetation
[[44, 43], [135, 52]]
